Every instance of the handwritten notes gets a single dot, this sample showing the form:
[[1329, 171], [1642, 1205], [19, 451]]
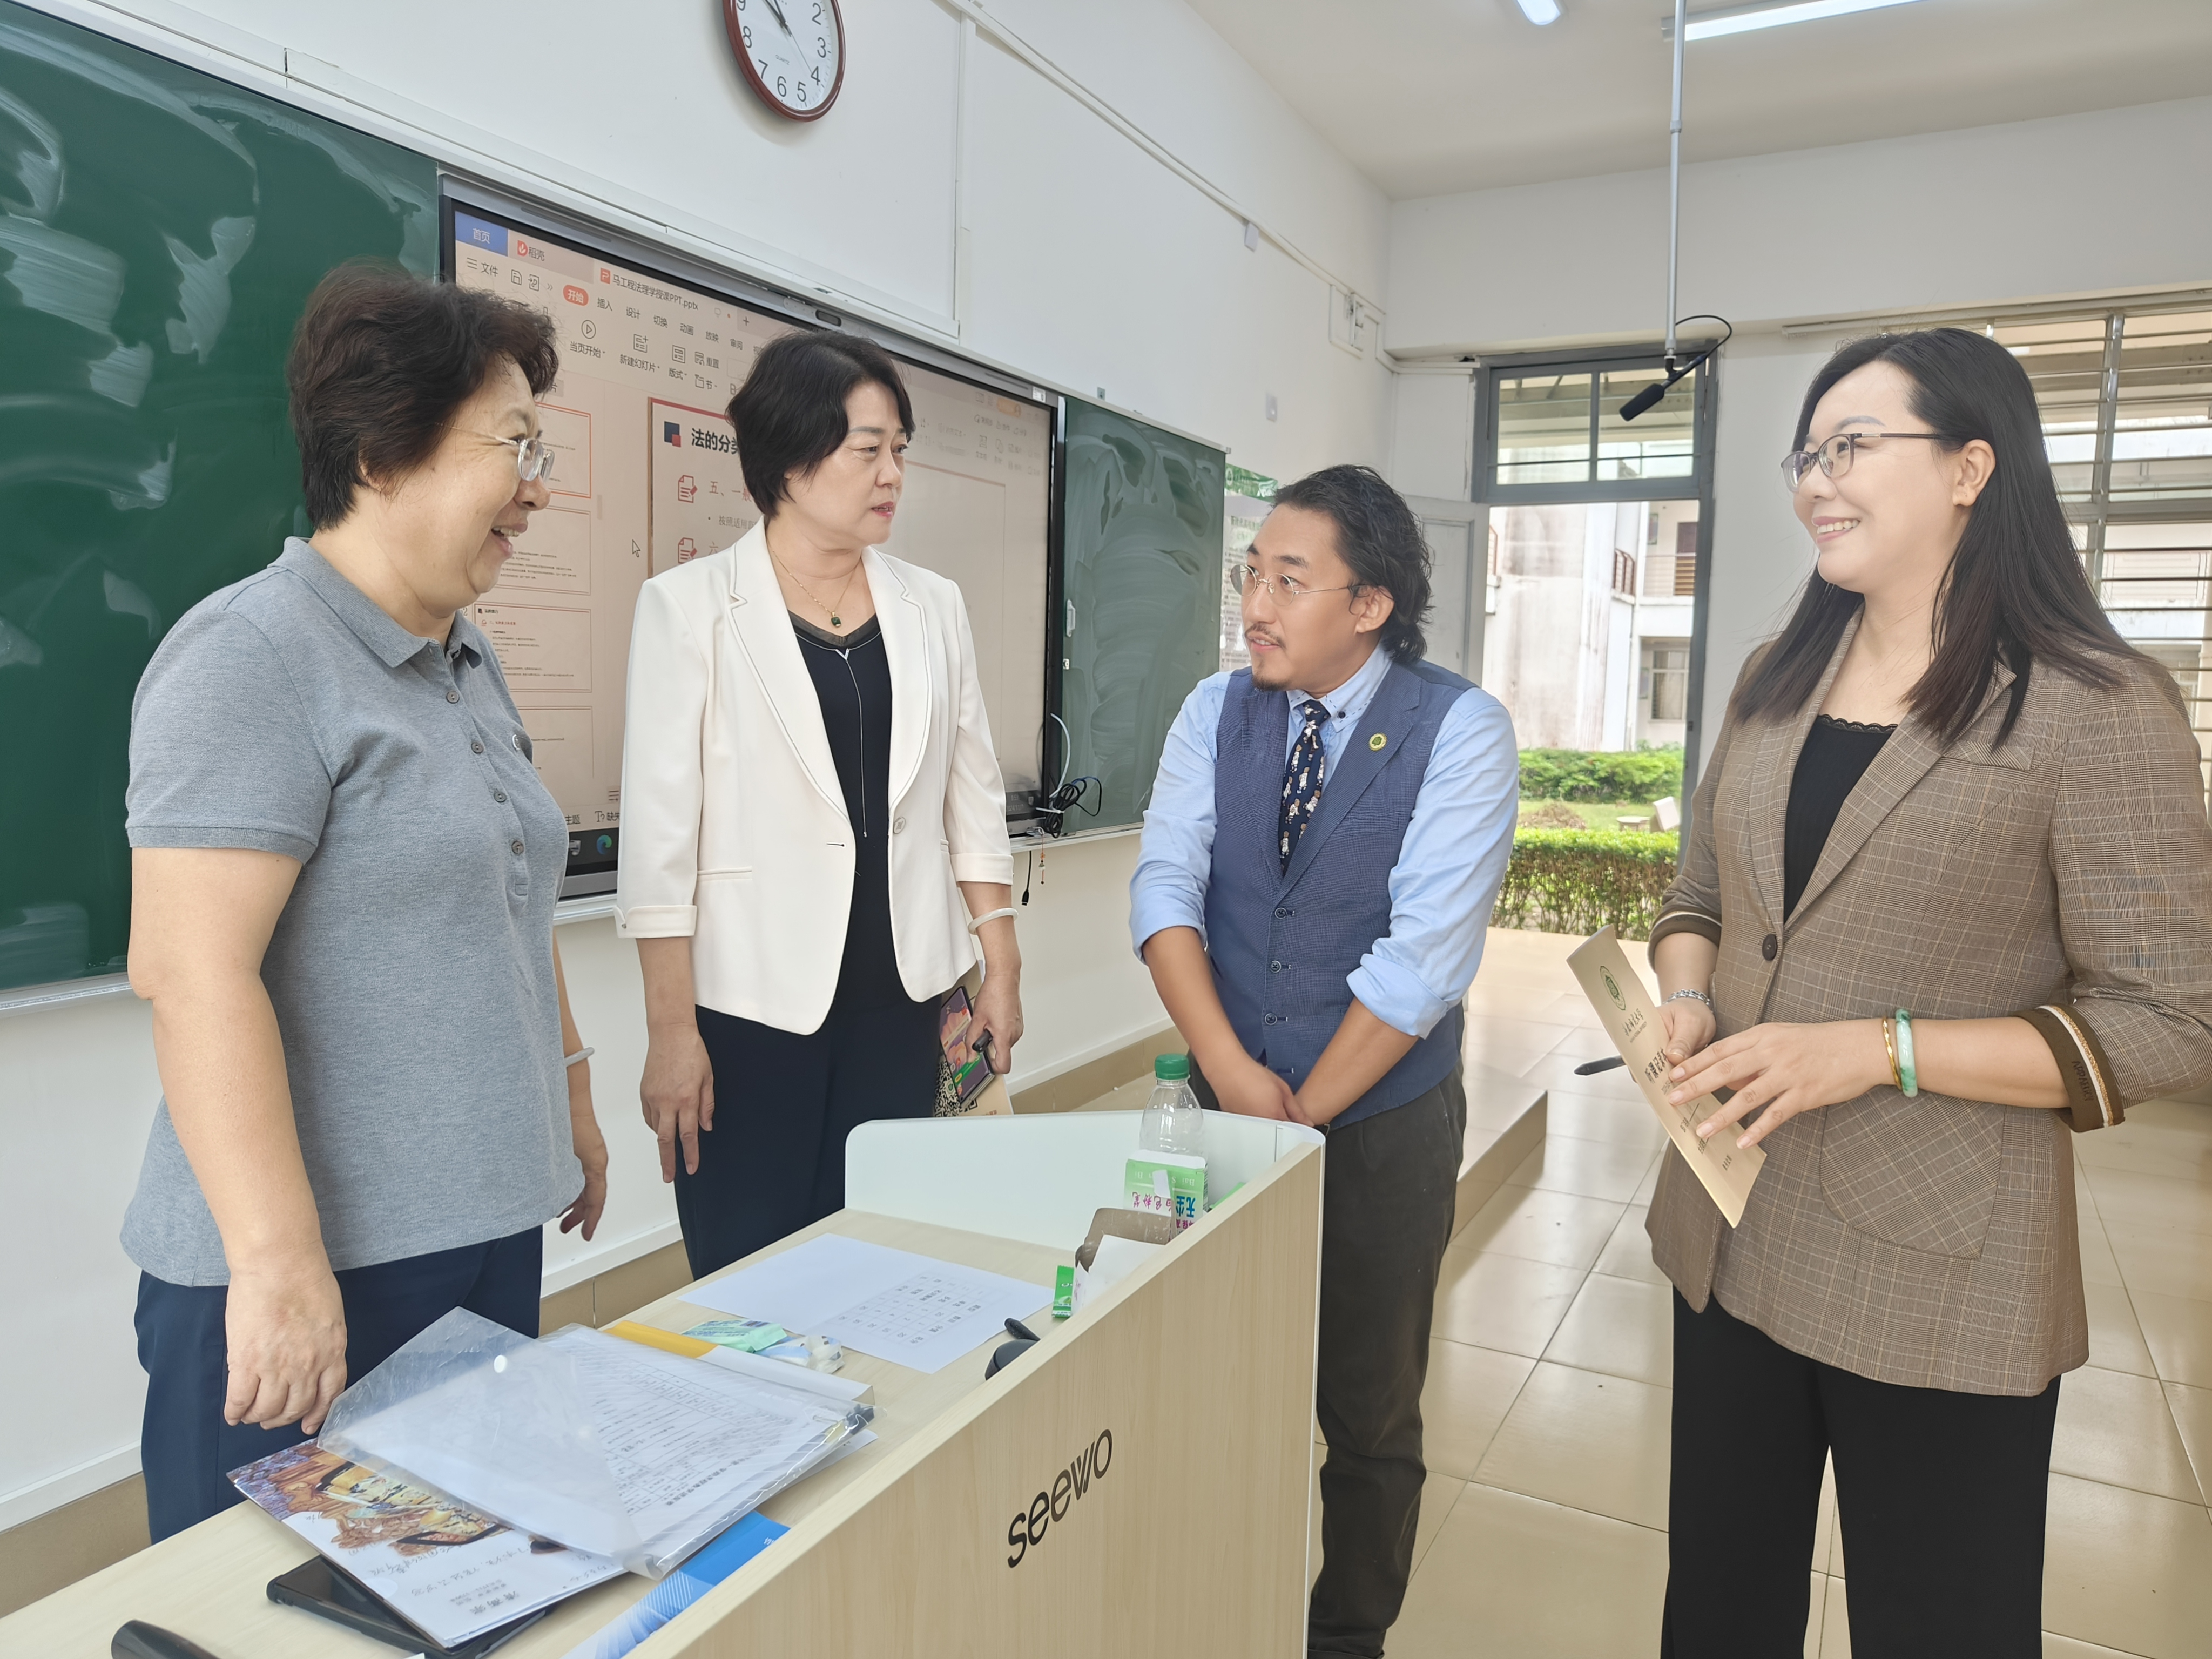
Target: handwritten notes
[[1631, 1020]]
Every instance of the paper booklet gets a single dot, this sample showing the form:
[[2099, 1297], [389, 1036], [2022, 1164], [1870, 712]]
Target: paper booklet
[[1631, 1020], [451, 1572], [608, 1446]]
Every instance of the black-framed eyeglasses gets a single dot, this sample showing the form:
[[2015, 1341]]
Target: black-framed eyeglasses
[[1836, 455], [1283, 589], [533, 456]]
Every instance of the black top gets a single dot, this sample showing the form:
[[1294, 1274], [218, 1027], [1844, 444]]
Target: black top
[[853, 681], [1835, 755]]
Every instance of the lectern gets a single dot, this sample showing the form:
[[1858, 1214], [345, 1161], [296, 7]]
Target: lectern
[[1137, 1483]]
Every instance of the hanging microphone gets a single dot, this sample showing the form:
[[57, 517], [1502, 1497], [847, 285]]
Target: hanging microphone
[[1651, 394], [1658, 389]]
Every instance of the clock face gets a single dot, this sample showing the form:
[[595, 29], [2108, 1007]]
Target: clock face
[[793, 52]]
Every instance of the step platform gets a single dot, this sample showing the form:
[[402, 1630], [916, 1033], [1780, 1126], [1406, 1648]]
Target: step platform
[[1506, 1122]]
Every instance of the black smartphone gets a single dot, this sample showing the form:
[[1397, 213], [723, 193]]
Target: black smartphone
[[318, 1587]]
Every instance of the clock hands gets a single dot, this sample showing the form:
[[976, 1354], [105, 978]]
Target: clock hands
[[781, 22]]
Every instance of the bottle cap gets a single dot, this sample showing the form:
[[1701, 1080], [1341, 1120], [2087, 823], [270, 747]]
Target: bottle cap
[[1171, 1068]]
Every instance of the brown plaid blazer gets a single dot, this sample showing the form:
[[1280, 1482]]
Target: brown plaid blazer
[[2066, 874]]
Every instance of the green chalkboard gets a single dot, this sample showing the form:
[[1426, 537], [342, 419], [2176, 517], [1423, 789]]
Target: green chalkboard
[[1141, 598], [159, 231]]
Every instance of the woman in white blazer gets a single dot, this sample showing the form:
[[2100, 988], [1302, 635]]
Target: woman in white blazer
[[814, 837]]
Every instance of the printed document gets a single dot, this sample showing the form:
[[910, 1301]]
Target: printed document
[[911, 1310], [449, 1571]]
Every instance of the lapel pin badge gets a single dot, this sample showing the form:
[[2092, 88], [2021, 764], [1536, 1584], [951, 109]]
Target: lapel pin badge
[[1376, 741]]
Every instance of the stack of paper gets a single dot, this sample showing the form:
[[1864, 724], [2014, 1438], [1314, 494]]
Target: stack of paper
[[606, 1445]]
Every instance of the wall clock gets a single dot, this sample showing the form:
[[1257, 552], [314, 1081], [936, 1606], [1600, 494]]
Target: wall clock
[[793, 52]]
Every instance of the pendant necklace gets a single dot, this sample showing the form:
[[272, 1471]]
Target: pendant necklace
[[829, 610]]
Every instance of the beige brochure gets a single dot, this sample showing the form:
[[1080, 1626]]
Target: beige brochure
[[1633, 1023]]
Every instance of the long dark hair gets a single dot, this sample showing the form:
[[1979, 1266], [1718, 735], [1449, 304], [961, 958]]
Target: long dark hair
[[2016, 591]]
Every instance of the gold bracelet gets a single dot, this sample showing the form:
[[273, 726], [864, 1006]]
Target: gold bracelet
[[1889, 1042]]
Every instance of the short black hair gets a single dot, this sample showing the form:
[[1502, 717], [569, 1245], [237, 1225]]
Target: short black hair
[[381, 359], [790, 412], [1378, 535]]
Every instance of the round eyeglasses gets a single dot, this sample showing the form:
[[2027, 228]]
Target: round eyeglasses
[[533, 456], [1283, 590], [1835, 456]]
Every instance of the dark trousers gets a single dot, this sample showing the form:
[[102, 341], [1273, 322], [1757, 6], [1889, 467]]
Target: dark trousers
[[774, 1161], [1940, 1497], [1389, 1187], [185, 1448]]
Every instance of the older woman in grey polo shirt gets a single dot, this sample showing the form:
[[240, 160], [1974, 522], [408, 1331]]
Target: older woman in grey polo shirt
[[344, 869]]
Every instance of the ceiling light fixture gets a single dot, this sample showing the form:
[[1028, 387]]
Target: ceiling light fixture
[[1540, 12], [1768, 14]]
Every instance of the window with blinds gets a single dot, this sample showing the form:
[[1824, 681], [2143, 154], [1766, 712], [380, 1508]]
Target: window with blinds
[[2126, 398]]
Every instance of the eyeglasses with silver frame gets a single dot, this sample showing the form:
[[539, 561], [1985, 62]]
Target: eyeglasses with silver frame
[[533, 456], [1283, 590], [1835, 456]]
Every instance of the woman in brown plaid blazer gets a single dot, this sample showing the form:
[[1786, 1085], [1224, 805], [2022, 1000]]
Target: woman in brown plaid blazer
[[1948, 787]]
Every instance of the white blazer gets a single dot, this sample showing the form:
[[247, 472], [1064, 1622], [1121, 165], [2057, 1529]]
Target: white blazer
[[734, 833]]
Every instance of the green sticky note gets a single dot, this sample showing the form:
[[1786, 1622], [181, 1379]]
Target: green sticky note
[[746, 1336]]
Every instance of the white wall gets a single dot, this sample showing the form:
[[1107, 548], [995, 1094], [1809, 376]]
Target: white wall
[[1079, 256], [2073, 204], [2036, 210]]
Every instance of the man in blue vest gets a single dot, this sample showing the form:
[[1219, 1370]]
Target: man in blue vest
[[1326, 836]]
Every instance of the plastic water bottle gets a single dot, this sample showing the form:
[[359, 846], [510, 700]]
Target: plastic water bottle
[[1174, 1121]]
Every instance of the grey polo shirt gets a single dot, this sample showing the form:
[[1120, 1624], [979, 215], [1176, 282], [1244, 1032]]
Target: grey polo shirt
[[412, 969]]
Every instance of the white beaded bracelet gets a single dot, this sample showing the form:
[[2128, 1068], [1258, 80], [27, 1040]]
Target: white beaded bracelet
[[991, 916]]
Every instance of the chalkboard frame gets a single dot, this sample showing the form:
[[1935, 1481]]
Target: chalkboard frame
[[1074, 824]]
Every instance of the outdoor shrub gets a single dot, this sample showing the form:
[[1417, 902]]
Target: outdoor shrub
[[1637, 774], [1552, 816], [1577, 881]]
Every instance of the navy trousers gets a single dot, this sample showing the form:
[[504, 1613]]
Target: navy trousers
[[185, 1448]]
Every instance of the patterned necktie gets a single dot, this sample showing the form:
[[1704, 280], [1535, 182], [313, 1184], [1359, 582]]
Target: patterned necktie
[[1302, 780]]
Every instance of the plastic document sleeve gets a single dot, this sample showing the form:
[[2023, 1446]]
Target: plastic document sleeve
[[602, 1444]]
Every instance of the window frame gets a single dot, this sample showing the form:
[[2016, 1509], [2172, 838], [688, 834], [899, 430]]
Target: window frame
[[2095, 514], [1696, 485], [1596, 362]]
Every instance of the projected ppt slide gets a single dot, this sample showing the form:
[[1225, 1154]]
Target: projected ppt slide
[[699, 499], [646, 477]]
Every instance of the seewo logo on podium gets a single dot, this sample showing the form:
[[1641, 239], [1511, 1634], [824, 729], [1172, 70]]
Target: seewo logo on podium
[[1027, 1529]]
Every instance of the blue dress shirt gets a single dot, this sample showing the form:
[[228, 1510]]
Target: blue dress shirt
[[1449, 865]]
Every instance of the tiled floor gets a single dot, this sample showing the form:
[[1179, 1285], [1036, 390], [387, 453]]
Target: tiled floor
[[1542, 1533]]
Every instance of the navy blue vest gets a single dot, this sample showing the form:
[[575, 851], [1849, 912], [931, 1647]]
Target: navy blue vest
[[1282, 942]]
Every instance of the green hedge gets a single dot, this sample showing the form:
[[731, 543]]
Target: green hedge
[[1577, 881], [1637, 774]]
